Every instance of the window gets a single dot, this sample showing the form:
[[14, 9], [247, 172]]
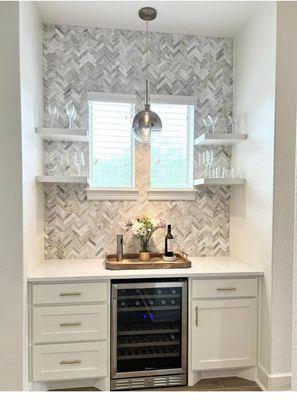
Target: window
[[112, 142], [172, 151]]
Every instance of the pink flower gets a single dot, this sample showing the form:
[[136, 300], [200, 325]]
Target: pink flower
[[162, 223]]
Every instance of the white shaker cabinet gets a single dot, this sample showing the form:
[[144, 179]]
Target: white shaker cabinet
[[223, 324], [69, 331]]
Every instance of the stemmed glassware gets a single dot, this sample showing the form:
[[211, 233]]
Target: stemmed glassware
[[208, 123], [71, 113], [49, 163], [79, 161], [205, 160], [208, 160], [64, 163], [53, 113], [82, 160], [56, 164], [220, 124]]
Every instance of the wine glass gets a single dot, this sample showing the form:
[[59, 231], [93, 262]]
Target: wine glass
[[49, 163], [71, 113], [220, 125], [64, 163], [200, 160], [207, 125], [53, 113], [82, 159], [76, 162], [79, 161], [231, 123], [209, 161], [211, 123]]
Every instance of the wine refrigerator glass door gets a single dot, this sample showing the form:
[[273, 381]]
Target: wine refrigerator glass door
[[149, 328]]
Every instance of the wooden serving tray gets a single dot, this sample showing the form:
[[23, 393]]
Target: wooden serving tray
[[131, 261]]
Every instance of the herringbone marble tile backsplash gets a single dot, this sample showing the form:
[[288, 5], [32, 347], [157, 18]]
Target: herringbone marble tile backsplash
[[78, 60]]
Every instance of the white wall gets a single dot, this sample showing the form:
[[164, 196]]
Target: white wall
[[294, 327], [31, 112], [251, 207], [284, 173], [11, 246], [21, 203], [262, 213], [284, 190]]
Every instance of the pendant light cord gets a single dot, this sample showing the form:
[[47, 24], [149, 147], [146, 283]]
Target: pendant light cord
[[147, 66]]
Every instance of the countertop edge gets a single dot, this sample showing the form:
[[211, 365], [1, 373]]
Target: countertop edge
[[94, 269], [87, 278]]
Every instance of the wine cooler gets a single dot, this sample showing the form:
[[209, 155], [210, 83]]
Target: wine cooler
[[148, 333]]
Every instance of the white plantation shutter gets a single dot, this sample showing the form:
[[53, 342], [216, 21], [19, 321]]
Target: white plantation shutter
[[172, 151], [112, 143]]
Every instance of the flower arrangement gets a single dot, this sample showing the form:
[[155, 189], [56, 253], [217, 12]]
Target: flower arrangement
[[144, 227]]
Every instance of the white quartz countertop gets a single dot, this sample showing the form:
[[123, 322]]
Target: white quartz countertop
[[72, 270]]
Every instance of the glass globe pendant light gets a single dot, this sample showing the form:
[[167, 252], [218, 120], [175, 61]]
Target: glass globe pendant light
[[146, 123]]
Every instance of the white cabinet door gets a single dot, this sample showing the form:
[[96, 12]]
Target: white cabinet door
[[224, 333]]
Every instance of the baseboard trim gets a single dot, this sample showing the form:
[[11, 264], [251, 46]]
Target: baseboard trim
[[273, 382], [267, 382], [260, 385]]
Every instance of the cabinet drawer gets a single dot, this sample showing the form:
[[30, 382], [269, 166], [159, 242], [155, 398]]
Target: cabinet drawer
[[69, 361], [70, 293], [69, 323], [206, 288]]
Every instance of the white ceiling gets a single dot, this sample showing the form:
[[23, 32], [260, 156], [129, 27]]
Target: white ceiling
[[214, 18]]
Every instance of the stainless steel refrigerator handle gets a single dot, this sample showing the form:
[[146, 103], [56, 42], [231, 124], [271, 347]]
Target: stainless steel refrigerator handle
[[148, 285], [113, 330]]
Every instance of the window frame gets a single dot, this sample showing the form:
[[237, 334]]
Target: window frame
[[131, 194], [113, 192], [171, 193]]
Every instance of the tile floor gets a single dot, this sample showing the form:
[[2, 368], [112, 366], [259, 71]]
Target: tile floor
[[232, 384]]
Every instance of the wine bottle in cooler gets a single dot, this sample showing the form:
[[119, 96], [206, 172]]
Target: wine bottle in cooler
[[169, 243]]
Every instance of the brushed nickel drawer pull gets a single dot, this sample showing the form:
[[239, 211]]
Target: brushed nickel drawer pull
[[70, 324], [65, 294], [227, 288], [196, 315], [68, 362]]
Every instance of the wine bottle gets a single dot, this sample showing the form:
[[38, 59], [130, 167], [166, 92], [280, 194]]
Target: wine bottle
[[169, 243]]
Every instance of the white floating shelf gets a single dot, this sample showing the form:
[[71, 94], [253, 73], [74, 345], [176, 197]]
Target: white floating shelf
[[61, 179], [219, 139], [219, 181], [60, 134]]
